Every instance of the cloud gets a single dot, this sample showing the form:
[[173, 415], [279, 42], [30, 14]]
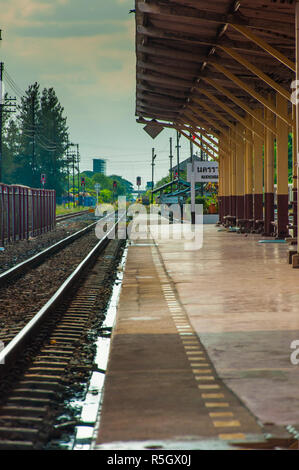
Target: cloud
[[74, 53]]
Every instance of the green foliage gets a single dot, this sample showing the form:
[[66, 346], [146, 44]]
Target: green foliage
[[204, 200], [34, 142]]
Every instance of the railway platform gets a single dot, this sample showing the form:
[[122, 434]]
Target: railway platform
[[201, 350]]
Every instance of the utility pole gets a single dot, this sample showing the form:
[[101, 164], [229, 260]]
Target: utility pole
[[73, 161], [78, 168], [170, 158], [178, 170], [1, 115], [8, 105], [192, 184], [68, 179], [178, 153], [201, 159], [33, 142], [153, 165]]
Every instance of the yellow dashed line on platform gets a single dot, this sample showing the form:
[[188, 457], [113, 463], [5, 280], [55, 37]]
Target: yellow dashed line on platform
[[212, 404], [227, 424], [203, 377], [194, 353], [208, 386], [221, 414], [212, 395], [231, 437]]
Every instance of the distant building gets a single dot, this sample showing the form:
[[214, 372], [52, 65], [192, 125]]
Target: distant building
[[99, 166], [184, 163]]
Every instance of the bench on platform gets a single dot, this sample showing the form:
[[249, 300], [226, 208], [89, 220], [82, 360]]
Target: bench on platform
[[245, 225], [259, 226], [229, 220]]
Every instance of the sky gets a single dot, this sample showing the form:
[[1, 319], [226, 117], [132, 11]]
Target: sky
[[85, 50]]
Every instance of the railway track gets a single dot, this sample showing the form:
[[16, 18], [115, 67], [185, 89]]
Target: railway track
[[21, 268], [62, 217], [43, 360]]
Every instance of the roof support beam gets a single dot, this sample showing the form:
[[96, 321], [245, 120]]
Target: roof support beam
[[203, 116], [230, 111], [239, 103], [258, 72], [194, 124], [264, 45], [219, 116], [221, 129], [197, 144], [195, 131], [252, 92]]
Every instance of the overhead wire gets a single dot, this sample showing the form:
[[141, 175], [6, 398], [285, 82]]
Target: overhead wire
[[20, 94]]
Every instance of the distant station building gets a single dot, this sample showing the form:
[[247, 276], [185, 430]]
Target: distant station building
[[99, 166], [184, 163]]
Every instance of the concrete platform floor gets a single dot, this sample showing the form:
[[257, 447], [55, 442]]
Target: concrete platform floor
[[201, 348]]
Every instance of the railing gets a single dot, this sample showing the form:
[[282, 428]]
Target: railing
[[25, 212]]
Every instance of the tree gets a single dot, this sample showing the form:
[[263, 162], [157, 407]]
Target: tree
[[26, 161], [52, 140], [35, 142], [11, 149]]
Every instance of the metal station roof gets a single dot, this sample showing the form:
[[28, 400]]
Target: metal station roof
[[188, 51]]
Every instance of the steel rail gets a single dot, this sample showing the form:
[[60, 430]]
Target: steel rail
[[35, 260], [62, 217], [10, 352]]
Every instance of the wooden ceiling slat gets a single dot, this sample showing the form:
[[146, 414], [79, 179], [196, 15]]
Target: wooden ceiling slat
[[176, 40]]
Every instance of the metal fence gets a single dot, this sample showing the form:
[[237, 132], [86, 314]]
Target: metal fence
[[25, 212]]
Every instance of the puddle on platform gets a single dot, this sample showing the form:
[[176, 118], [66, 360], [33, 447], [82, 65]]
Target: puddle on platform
[[91, 406]]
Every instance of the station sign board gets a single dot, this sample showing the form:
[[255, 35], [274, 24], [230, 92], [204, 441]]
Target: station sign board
[[204, 172], [169, 199]]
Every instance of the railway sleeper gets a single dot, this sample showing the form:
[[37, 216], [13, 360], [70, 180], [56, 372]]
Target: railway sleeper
[[25, 420], [40, 385], [16, 445], [61, 339], [47, 370], [42, 377], [57, 352], [49, 363], [53, 359], [34, 392], [23, 411], [71, 327], [12, 433], [69, 334], [28, 401]]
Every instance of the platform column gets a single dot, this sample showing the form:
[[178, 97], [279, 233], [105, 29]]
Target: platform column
[[295, 258], [282, 169], [248, 198], [268, 175], [258, 170], [226, 185], [240, 156], [220, 183], [294, 173], [233, 175]]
